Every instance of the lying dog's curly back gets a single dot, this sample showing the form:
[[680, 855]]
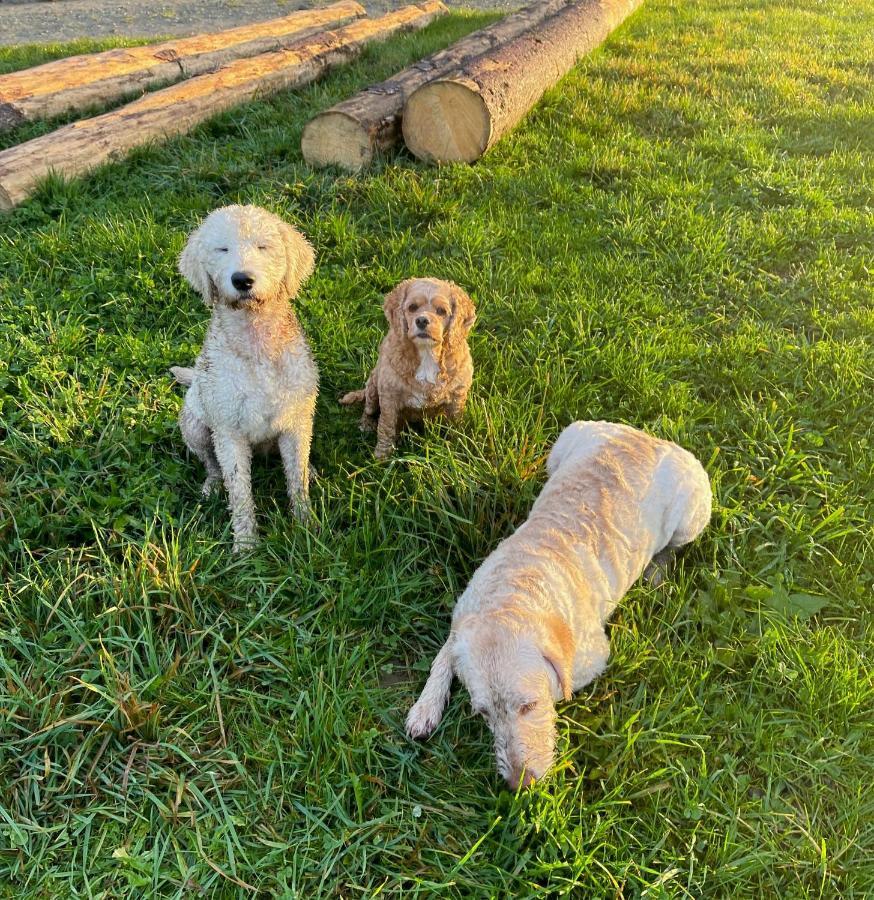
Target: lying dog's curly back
[[424, 366]]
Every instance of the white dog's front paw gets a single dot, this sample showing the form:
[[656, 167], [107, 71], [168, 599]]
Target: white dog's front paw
[[301, 509], [210, 486], [422, 719], [245, 542]]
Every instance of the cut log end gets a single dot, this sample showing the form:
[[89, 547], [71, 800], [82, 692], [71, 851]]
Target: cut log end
[[335, 139], [465, 124], [377, 110], [465, 112]]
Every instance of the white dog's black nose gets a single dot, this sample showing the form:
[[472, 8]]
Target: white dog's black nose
[[242, 281], [422, 323]]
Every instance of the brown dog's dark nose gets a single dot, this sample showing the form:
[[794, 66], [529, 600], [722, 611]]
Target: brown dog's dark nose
[[422, 322], [242, 281]]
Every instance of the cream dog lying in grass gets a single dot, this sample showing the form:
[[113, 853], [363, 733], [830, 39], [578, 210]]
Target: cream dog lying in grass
[[255, 382], [529, 628]]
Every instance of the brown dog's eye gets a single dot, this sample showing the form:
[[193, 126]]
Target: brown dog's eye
[[527, 707], [413, 307], [441, 311]]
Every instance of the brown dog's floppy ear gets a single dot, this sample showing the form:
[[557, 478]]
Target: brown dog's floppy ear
[[392, 304], [465, 313], [557, 647], [192, 266], [300, 258]]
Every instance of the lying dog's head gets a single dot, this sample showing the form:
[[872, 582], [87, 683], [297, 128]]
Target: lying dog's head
[[242, 256], [429, 312], [514, 676], [514, 669]]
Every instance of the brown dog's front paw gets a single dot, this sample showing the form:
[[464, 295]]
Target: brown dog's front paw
[[383, 451]]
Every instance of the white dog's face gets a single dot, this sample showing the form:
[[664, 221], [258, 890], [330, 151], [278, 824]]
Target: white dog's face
[[243, 256], [514, 687]]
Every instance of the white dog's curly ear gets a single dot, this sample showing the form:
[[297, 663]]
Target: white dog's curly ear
[[192, 266], [392, 304], [300, 258], [557, 647]]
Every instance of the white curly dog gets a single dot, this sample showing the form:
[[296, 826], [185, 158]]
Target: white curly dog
[[529, 628], [254, 384]]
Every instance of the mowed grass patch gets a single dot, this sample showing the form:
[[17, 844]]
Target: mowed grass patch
[[678, 237]]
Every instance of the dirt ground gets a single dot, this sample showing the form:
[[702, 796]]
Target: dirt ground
[[40, 22]]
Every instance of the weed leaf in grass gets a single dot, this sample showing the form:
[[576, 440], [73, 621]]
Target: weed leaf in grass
[[788, 605]]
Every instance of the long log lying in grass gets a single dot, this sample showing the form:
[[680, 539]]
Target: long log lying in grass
[[77, 82], [352, 132], [458, 117], [80, 146]]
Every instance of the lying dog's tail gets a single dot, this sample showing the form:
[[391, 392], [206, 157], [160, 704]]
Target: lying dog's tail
[[353, 397], [183, 374]]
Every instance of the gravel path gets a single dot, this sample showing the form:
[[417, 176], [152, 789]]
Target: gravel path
[[64, 20]]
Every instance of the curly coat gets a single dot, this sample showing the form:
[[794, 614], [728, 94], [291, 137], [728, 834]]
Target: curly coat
[[254, 383], [424, 367]]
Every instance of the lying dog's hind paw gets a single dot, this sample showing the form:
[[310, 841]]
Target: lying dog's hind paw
[[657, 571]]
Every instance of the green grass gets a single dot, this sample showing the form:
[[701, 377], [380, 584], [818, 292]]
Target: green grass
[[678, 237]]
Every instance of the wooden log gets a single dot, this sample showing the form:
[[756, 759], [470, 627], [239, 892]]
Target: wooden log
[[458, 117], [80, 146], [352, 132], [77, 82]]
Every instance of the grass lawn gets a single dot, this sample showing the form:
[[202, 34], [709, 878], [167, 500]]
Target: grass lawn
[[679, 237]]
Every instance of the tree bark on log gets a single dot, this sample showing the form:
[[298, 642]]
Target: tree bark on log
[[352, 132], [458, 117], [77, 82], [81, 146]]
